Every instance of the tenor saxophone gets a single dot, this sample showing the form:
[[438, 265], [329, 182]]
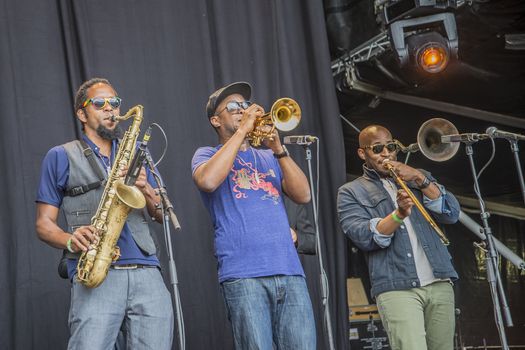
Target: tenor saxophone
[[117, 201]]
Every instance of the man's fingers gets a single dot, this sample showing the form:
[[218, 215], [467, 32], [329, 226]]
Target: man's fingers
[[80, 242], [294, 235], [406, 203], [401, 194], [123, 172], [141, 179], [83, 236]]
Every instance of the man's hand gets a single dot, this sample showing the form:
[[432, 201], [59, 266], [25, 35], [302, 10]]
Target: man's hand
[[248, 118], [294, 235], [82, 237], [142, 180], [274, 142], [407, 173], [404, 203]]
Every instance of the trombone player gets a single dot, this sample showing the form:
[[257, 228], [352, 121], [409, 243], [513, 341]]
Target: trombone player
[[260, 275], [410, 269]]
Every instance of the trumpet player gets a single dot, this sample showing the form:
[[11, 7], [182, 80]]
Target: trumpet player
[[410, 269], [260, 275], [133, 297]]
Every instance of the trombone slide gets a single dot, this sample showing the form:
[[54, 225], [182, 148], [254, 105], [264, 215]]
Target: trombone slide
[[418, 204]]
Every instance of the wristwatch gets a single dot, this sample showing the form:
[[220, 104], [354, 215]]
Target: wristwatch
[[424, 184], [283, 154]]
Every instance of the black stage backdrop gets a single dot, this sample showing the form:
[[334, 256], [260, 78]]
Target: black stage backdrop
[[168, 56]]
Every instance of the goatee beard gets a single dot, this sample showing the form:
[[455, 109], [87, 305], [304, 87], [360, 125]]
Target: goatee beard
[[108, 134]]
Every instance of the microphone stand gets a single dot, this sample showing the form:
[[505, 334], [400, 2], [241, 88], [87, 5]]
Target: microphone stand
[[168, 214], [412, 148], [493, 275], [515, 150], [323, 277]]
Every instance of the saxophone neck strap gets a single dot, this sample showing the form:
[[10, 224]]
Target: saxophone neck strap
[[90, 156]]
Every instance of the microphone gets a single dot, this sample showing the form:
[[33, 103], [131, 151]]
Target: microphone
[[299, 139], [412, 148], [494, 133], [467, 138], [138, 160]]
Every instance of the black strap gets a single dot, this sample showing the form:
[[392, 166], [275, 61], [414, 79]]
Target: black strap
[[88, 153]]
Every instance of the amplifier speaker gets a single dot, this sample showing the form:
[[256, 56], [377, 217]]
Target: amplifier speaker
[[366, 330]]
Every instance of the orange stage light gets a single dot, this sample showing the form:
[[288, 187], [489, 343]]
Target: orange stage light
[[433, 58]]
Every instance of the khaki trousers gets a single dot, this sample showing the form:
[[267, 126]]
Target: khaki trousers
[[419, 318]]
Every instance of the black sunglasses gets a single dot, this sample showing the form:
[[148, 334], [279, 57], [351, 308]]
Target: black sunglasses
[[234, 106], [100, 102], [378, 148]]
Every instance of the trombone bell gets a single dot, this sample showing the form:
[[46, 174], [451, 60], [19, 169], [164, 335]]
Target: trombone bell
[[429, 139]]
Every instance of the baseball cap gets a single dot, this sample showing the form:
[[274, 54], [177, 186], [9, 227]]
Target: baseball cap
[[242, 88]]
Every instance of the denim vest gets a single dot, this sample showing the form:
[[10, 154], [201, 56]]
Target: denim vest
[[79, 210], [393, 267]]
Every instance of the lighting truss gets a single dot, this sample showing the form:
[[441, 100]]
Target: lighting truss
[[362, 53]]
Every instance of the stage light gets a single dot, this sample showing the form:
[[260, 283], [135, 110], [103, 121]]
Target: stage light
[[393, 10], [428, 52], [433, 59], [427, 43]]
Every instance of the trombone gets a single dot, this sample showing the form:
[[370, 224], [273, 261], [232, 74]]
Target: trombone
[[429, 143], [417, 203]]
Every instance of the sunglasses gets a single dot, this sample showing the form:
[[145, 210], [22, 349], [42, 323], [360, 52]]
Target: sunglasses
[[234, 106], [378, 148], [101, 102]]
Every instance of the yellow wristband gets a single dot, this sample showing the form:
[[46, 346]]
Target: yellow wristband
[[396, 218], [68, 244]]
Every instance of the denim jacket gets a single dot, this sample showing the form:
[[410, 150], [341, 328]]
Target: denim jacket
[[393, 267]]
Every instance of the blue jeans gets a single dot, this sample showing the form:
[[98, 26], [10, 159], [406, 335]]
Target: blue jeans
[[136, 300], [266, 310]]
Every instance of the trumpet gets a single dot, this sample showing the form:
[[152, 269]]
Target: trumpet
[[284, 115], [417, 203]]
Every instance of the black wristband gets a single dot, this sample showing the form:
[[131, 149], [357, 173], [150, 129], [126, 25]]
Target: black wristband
[[424, 184], [283, 154]]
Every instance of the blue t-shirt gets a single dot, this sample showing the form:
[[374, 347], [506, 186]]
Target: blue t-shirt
[[252, 234], [53, 183]]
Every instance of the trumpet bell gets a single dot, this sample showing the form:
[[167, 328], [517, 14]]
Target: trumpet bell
[[429, 139], [286, 114]]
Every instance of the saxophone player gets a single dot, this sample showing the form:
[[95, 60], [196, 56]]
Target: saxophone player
[[133, 297]]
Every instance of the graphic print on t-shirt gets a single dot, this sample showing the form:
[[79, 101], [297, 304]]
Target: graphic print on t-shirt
[[247, 178]]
